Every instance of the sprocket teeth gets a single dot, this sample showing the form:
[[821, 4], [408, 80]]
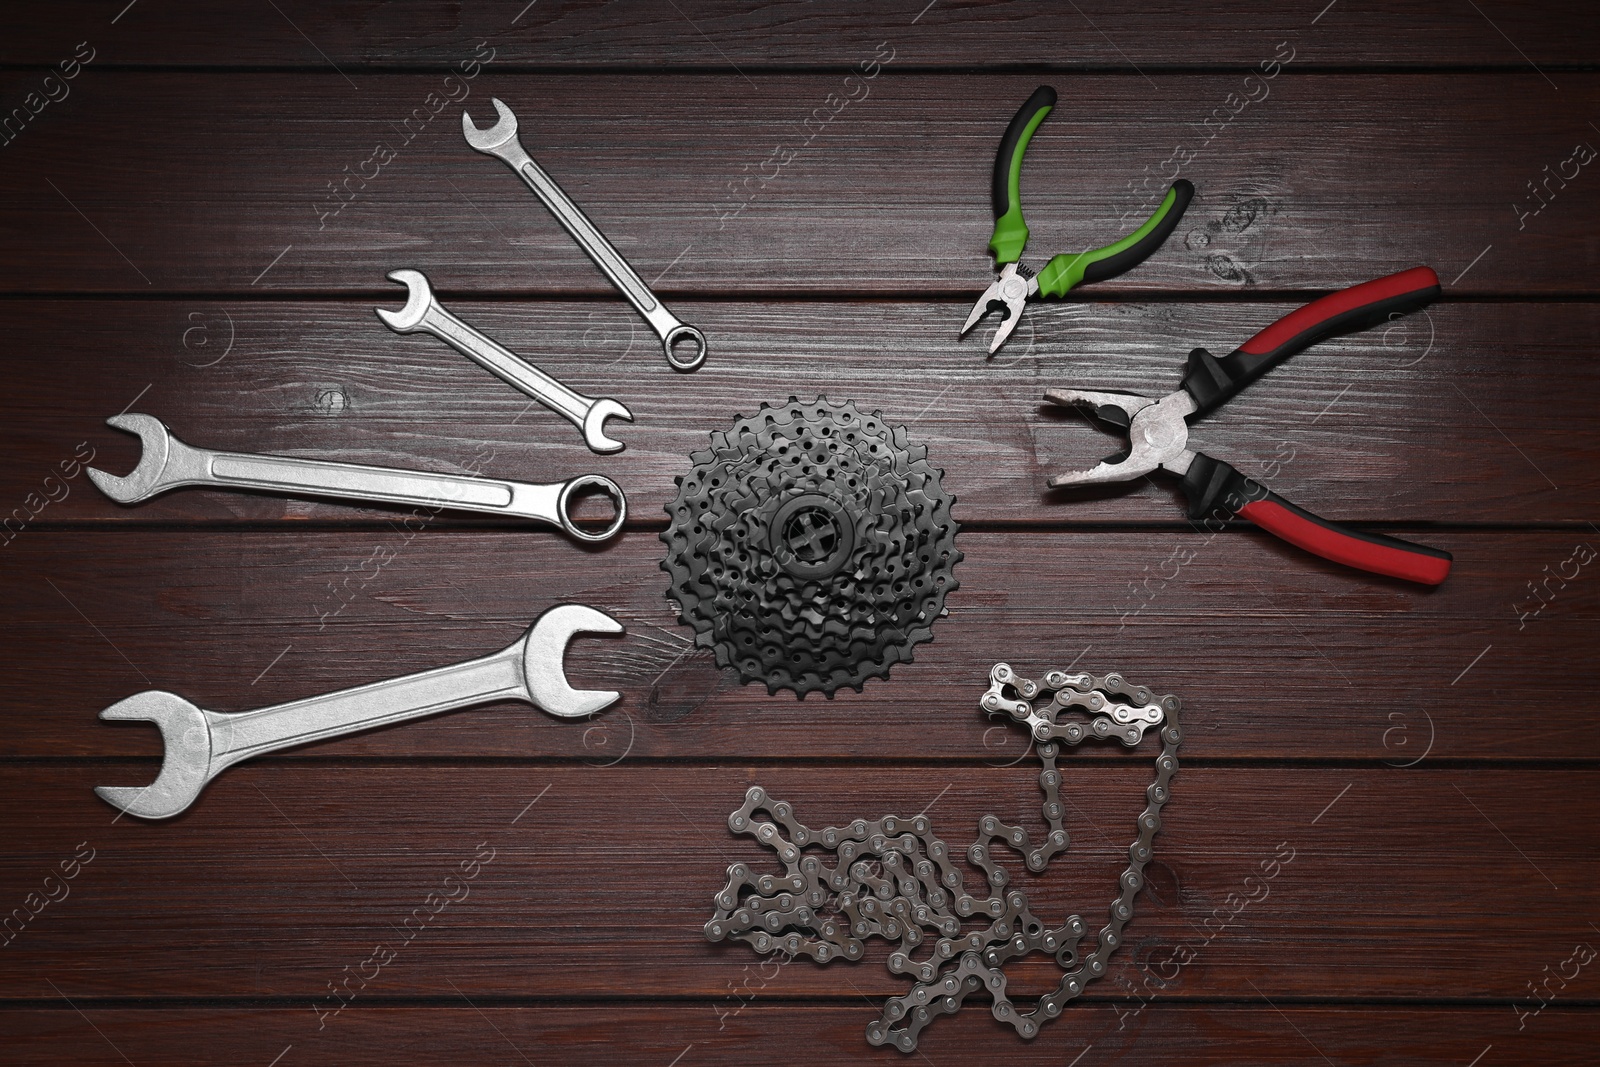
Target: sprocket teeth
[[872, 509]]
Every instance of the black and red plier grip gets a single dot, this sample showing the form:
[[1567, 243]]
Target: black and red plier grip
[[1158, 430]]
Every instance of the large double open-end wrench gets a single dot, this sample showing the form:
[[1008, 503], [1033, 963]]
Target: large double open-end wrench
[[201, 744], [167, 463], [422, 312], [500, 141]]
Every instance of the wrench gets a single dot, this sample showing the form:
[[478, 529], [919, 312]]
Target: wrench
[[201, 744], [500, 141], [422, 312], [167, 463]]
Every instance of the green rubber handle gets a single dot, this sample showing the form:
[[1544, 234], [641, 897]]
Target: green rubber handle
[[1068, 270], [1010, 232]]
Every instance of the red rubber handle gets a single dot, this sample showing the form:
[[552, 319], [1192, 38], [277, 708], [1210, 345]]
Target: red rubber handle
[[1216, 489], [1211, 380], [1368, 552], [1323, 317]]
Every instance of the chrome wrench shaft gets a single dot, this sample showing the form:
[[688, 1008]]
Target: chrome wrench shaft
[[422, 312], [168, 463], [501, 141]]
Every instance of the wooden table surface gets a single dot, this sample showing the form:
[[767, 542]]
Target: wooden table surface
[[199, 203]]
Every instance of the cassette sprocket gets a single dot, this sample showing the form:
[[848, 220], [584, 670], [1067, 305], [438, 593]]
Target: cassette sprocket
[[811, 546]]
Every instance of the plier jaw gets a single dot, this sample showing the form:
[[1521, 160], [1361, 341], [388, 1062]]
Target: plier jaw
[[1158, 433], [1007, 294]]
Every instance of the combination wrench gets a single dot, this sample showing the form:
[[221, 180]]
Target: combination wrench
[[201, 744], [167, 463], [423, 313], [501, 141]]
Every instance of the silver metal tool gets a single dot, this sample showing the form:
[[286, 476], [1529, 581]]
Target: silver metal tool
[[168, 463], [422, 312], [1158, 431], [201, 744], [500, 141]]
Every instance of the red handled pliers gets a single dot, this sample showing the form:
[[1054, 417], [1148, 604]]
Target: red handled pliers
[[1158, 430]]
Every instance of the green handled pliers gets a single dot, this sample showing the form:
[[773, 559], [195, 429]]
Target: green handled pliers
[[1018, 284]]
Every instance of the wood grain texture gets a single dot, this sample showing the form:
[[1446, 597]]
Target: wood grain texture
[[750, 36], [197, 225], [1277, 655], [1205, 1035], [223, 183], [294, 871], [1449, 416]]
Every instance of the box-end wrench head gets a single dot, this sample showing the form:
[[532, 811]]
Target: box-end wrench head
[[500, 141], [422, 312], [680, 332], [201, 744], [168, 463]]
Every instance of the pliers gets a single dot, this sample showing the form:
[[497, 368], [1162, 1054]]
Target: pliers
[[1158, 430], [1018, 284]]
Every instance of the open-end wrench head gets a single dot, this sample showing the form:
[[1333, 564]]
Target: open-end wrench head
[[594, 425], [144, 481], [419, 298], [544, 655], [185, 765], [487, 140]]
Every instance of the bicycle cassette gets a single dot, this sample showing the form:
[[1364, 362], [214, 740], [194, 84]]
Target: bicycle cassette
[[811, 547]]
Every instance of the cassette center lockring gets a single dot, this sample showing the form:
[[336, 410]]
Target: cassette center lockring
[[812, 536]]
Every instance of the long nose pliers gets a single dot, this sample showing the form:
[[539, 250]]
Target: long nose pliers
[[1017, 284], [1158, 430]]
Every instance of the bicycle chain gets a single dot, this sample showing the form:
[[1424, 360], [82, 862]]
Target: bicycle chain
[[921, 894]]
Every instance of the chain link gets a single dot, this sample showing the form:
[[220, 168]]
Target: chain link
[[895, 879]]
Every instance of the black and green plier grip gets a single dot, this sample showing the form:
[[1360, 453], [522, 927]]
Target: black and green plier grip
[[1005, 192], [1016, 283]]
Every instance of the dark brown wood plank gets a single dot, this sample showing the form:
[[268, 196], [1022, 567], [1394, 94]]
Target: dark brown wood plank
[[1190, 1034], [750, 36], [284, 874], [1274, 654], [230, 189], [1447, 416]]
